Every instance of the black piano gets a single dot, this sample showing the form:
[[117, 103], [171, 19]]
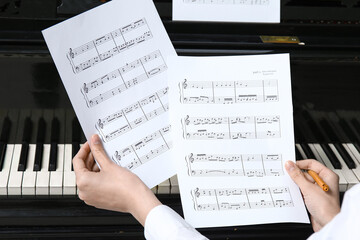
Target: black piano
[[39, 132]]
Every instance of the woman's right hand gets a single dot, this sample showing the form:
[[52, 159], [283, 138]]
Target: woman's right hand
[[322, 206]]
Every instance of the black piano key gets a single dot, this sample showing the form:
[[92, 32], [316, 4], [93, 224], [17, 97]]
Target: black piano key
[[75, 148], [53, 156], [309, 154], [345, 155], [5, 130], [76, 136], [25, 145], [38, 157], [23, 156], [55, 131], [4, 138], [331, 155], [337, 144], [353, 138], [2, 154], [40, 139], [298, 154]]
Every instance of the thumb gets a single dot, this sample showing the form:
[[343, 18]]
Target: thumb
[[297, 176], [98, 152]]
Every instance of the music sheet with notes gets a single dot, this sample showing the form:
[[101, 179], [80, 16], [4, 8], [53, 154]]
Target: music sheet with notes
[[112, 61], [257, 11], [232, 130]]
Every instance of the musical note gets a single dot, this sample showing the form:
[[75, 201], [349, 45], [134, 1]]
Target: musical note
[[202, 127], [114, 50], [120, 88], [209, 92], [152, 99], [234, 206], [246, 198], [217, 172], [120, 71], [257, 165], [133, 151]]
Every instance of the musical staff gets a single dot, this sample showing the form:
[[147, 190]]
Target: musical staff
[[109, 45], [221, 165], [133, 115], [129, 75], [226, 92], [242, 127], [238, 2], [225, 199], [143, 150]]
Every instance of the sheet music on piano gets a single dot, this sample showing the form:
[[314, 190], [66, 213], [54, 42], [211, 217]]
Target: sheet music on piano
[[111, 60], [256, 11], [232, 133]]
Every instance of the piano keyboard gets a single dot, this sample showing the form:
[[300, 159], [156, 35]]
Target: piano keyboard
[[37, 147]]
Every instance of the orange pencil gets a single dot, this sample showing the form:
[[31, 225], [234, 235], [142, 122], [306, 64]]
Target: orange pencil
[[318, 180]]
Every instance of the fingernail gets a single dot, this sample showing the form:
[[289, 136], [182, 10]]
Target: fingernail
[[95, 139], [289, 165]]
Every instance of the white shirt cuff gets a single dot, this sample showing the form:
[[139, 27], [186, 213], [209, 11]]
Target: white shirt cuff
[[163, 223]]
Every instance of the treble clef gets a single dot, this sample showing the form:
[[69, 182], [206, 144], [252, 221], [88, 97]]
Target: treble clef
[[86, 89], [196, 192], [185, 84], [117, 156], [101, 125], [71, 53], [187, 121], [191, 157]]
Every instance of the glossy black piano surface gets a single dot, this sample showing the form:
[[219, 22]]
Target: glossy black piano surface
[[326, 95]]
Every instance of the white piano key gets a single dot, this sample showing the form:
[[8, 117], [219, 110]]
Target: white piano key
[[355, 155], [69, 176], [343, 184], [348, 174], [174, 185], [56, 177], [164, 187], [29, 176], [4, 174], [43, 176], [15, 178]]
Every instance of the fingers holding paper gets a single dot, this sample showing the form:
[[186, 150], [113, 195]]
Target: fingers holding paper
[[323, 206], [111, 187]]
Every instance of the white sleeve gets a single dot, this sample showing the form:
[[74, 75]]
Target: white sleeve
[[163, 223], [345, 225]]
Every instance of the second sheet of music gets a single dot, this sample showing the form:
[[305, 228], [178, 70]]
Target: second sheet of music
[[232, 133], [112, 61]]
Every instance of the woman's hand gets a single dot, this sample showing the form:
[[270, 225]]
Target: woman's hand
[[323, 206], [113, 187]]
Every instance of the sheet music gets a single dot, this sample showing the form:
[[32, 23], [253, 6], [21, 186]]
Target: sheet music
[[232, 133], [112, 61], [267, 11]]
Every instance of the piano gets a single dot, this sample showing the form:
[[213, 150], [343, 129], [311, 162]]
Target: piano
[[39, 132]]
